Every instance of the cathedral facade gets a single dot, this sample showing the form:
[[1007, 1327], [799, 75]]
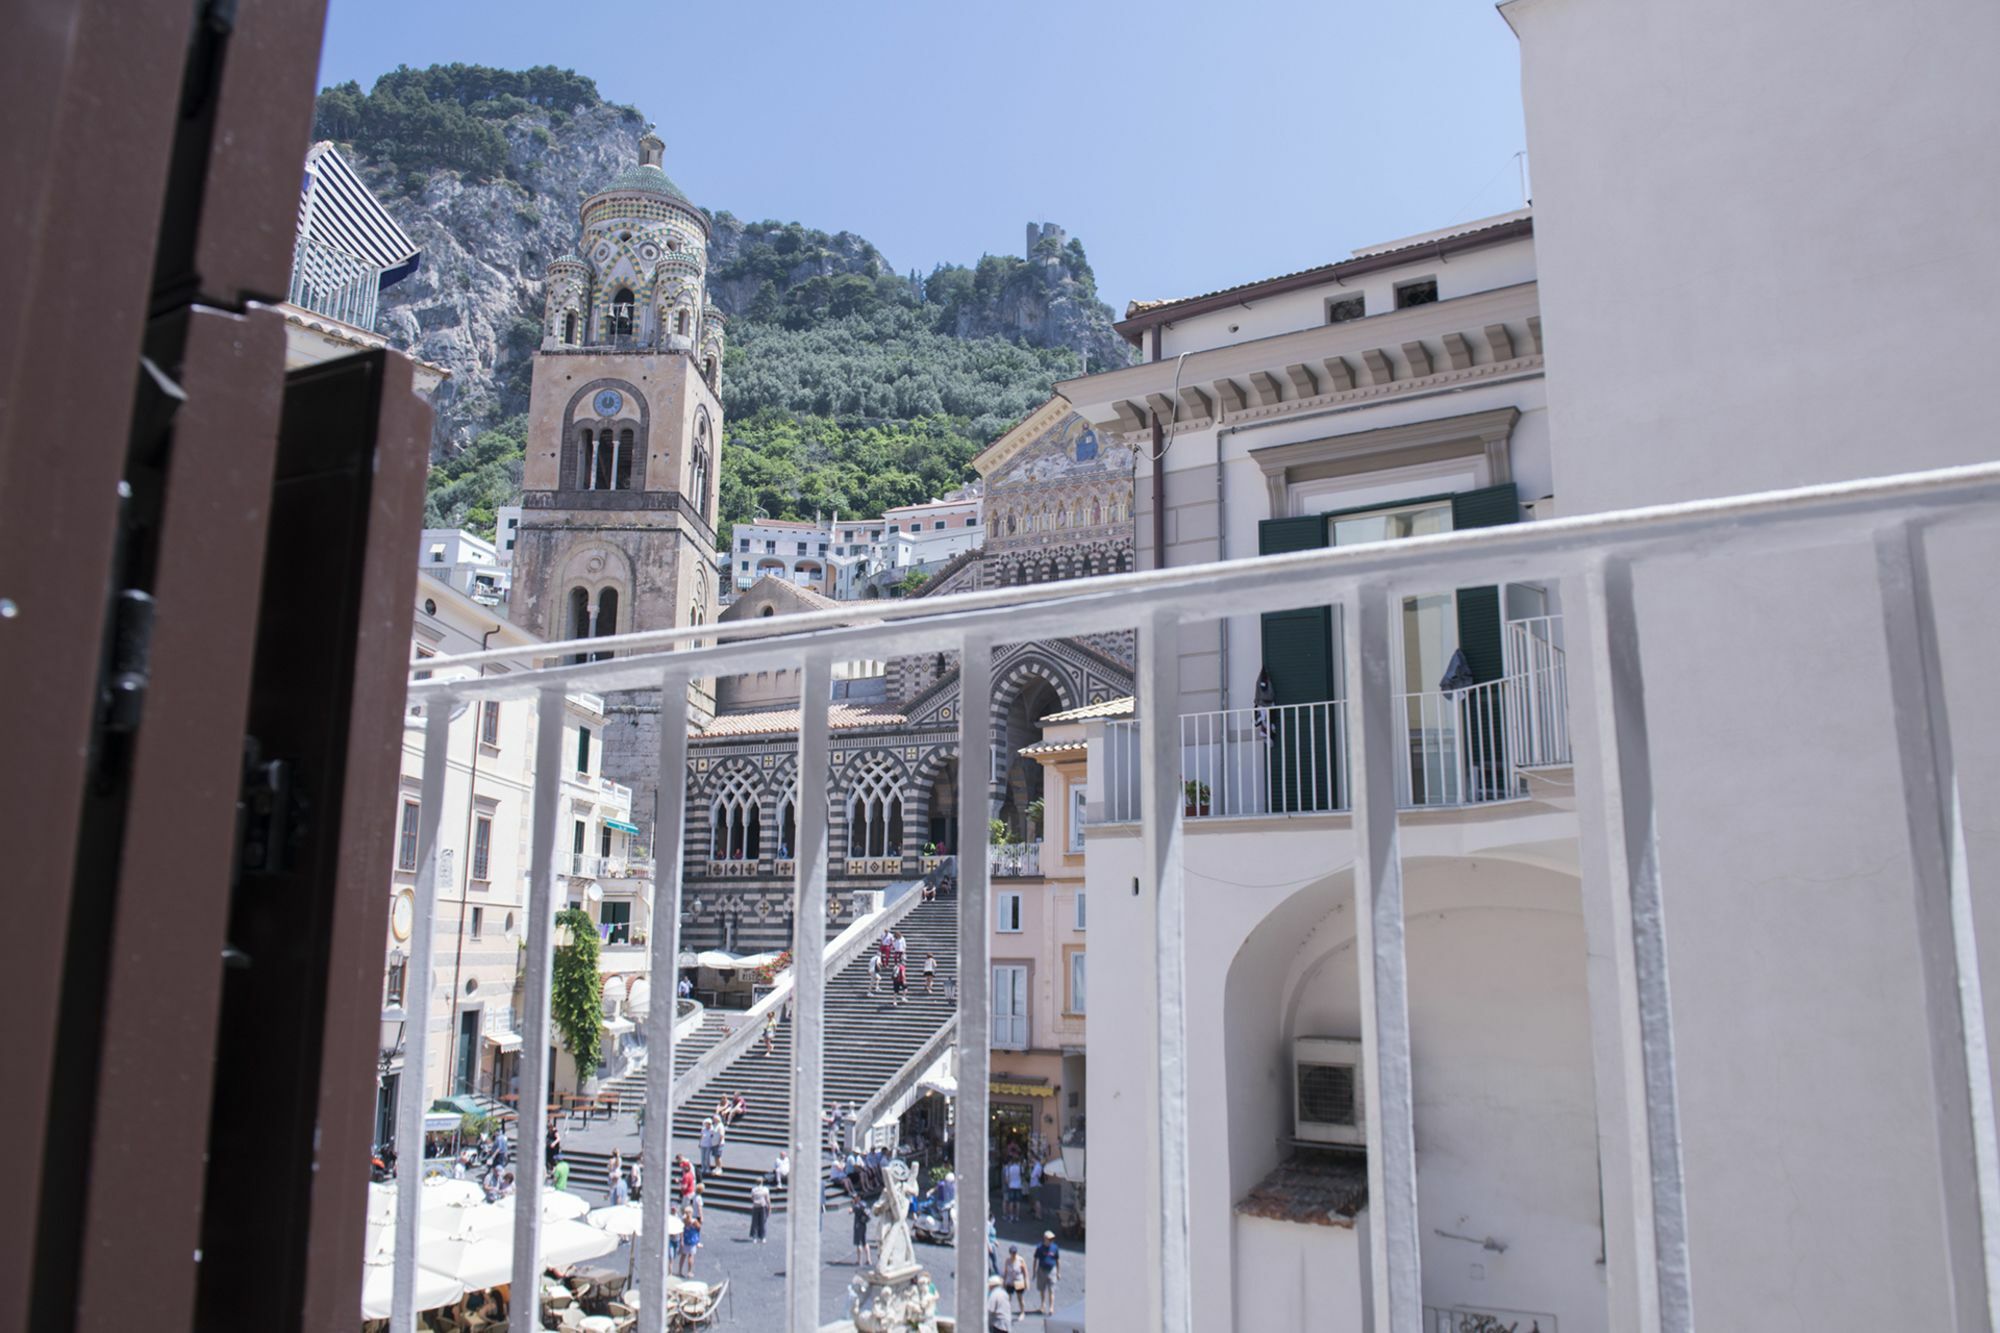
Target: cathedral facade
[[896, 782]]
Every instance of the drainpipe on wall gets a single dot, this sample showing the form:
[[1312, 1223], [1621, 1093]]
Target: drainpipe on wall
[[1159, 472]]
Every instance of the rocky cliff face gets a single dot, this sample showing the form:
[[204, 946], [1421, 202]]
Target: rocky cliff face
[[474, 305], [489, 230]]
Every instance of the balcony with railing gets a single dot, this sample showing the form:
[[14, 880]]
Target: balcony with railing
[[1015, 860], [1461, 747], [333, 283]]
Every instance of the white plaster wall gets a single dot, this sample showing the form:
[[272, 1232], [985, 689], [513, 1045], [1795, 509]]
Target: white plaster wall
[[1255, 890], [1297, 1277], [1717, 207], [1459, 275], [1753, 277]]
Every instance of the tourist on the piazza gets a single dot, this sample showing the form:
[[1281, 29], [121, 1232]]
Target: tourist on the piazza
[[637, 1162], [1035, 1185], [781, 1169], [862, 1256], [1011, 1174], [553, 1149], [560, 1176], [875, 973], [999, 1319], [502, 1150], [1014, 1272], [760, 1210], [930, 972], [690, 1240], [902, 981], [708, 1144], [742, 1108], [697, 1204], [770, 1032], [1048, 1272]]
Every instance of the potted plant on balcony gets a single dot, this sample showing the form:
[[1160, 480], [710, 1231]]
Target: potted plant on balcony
[[1195, 798]]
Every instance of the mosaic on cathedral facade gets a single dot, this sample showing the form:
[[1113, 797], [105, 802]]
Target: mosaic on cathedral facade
[[895, 778]]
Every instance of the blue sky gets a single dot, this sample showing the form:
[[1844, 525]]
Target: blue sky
[[1189, 146]]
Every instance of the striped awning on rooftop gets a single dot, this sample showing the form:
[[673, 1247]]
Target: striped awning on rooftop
[[337, 211]]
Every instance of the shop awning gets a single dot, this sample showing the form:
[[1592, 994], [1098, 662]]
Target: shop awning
[[618, 1027], [1015, 1088], [719, 960], [505, 1041], [440, 1122], [621, 826]]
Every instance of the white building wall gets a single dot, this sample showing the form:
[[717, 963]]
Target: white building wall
[[1754, 277], [1460, 275], [1290, 1276]]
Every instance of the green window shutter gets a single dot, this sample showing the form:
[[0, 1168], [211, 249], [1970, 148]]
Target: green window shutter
[[1479, 633], [1298, 652], [1298, 645], [1479, 608]]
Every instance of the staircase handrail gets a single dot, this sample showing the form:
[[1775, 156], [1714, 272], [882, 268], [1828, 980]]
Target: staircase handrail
[[841, 950], [900, 1083]]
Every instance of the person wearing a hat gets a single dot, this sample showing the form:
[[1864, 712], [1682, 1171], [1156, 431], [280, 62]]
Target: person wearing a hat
[[1014, 1272], [998, 1318], [1048, 1271]]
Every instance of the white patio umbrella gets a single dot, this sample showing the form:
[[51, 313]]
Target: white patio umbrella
[[378, 1279], [622, 1220], [439, 1192], [480, 1258]]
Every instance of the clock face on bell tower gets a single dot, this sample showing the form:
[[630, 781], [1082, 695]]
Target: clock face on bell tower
[[609, 402]]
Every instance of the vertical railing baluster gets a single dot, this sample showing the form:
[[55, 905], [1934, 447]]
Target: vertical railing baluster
[[1942, 890], [975, 977], [413, 1089], [1393, 1244], [1158, 676], [1649, 1138], [803, 1214], [657, 1138], [538, 969]]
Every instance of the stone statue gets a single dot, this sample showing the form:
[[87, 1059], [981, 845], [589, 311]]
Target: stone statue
[[896, 1293]]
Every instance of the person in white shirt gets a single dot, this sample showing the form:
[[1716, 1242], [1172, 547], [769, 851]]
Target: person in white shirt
[[760, 1211], [1012, 1176], [999, 1313]]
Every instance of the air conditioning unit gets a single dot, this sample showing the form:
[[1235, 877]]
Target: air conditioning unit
[[1328, 1106]]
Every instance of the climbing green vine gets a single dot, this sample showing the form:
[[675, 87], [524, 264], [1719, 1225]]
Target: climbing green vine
[[577, 1007]]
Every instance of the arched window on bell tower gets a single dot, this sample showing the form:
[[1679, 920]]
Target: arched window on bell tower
[[621, 470], [681, 323], [621, 313], [708, 374], [579, 618], [586, 458], [569, 329], [607, 619]]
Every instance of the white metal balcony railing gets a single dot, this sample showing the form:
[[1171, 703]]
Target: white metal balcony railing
[[1588, 562], [1015, 859], [334, 283], [1460, 747]]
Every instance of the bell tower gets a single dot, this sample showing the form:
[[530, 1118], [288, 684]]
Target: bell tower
[[624, 421]]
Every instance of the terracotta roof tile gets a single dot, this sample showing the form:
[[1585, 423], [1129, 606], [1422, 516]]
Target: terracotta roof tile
[[1314, 1186], [1121, 707], [779, 721]]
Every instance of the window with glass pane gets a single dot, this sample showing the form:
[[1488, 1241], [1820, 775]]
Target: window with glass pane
[[1007, 912], [614, 921], [1010, 1006], [406, 843], [582, 752], [482, 846], [1076, 978], [489, 722]]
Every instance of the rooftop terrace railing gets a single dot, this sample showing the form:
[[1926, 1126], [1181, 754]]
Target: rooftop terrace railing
[[1587, 560]]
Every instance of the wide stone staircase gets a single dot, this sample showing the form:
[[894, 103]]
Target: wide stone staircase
[[869, 1039]]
